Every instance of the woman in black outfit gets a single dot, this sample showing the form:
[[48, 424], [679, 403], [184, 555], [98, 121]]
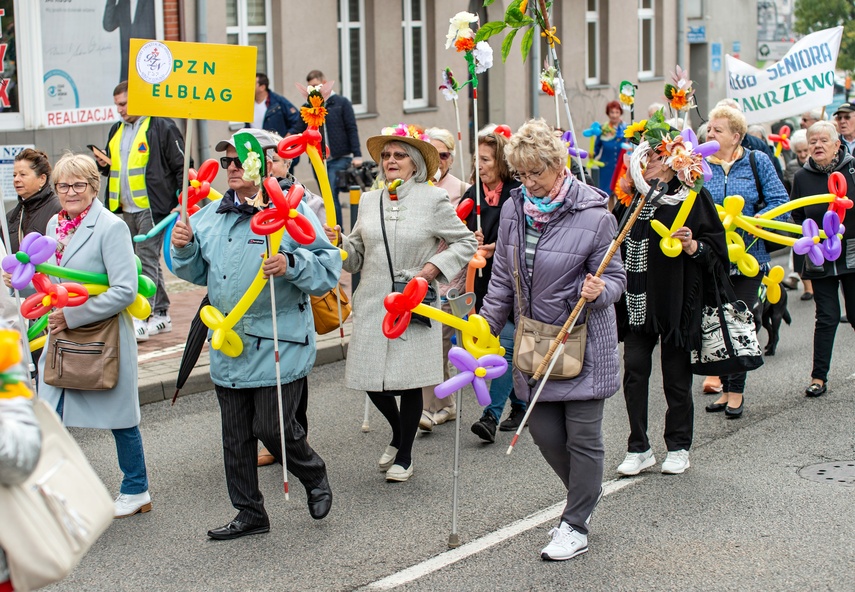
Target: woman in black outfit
[[826, 157], [496, 186], [37, 203]]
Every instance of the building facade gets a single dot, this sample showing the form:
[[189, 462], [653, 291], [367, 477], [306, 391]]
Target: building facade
[[385, 55]]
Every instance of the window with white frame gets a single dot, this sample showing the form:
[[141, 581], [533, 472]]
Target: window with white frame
[[592, 45], [415, 54], [646, 39], [248, 23], [351, 53]]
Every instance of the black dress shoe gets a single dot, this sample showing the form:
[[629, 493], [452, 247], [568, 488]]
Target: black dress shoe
[[236, 529], [320, 500], [735, 413], [815, 389], [716, 407]]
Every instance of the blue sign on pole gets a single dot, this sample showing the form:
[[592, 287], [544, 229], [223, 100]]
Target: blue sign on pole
[[715, 52], [697, 34], [737, 47]]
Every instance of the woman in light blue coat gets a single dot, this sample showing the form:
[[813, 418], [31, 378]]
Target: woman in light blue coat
[[90, 238]]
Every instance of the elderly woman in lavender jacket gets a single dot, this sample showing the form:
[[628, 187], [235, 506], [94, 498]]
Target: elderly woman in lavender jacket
[[553, 234]]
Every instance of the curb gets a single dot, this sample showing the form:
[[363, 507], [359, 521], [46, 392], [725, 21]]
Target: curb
[[162, 387]]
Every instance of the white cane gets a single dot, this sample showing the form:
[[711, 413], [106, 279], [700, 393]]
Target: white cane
[[278, 378]]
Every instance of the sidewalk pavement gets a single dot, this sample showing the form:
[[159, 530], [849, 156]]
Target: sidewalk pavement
[[160, 356]]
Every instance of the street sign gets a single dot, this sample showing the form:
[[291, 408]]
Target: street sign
[[715, 61], [737, 47]]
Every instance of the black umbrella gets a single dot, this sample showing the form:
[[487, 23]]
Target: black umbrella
[[195, 340]]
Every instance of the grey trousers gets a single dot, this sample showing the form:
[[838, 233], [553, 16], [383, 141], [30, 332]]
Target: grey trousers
[[570, 437], [149, 254]]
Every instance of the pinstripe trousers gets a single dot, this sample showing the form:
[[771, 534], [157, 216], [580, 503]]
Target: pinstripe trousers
[[249, 415]]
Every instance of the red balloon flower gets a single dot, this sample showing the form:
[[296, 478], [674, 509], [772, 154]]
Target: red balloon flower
[[284, 213], [841, 203], [400, 305], [49, 296], [294, 146], [782, 137]]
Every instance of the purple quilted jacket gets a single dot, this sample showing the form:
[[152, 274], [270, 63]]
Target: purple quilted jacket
[[573, 244]]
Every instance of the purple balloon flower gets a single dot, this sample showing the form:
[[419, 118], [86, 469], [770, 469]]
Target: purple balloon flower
[[809, 243], [33, 250], [706, 149], [473, 371], [571, 148], [832, 246]]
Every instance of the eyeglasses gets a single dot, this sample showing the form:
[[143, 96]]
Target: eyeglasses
[[444, 155], [843, 116], [396, 155], [523, 177], [225, 161], [78, 187]]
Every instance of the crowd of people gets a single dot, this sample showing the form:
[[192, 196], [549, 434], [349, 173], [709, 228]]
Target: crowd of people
[[542, 229]]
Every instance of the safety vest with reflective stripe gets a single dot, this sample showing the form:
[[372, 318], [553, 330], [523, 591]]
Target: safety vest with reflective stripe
[[137, 161]]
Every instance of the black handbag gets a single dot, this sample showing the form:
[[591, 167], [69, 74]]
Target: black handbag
[[728, 339], [771, 247], [429, 298]]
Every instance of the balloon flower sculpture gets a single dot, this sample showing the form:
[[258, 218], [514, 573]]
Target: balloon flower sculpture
[[12, 383], [199, 189], [474, 371], [29, 264], [781, 139], [400, 307], [592, 133], [572, 150]]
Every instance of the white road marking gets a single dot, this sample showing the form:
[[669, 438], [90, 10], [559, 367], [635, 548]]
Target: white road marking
[[485, 542], [161, 352]]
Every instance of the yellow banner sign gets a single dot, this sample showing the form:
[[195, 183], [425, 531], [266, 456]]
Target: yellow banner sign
[[191, 80]]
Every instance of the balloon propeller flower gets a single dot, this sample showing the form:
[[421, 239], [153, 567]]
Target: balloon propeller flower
[[841, 203], [781, 139], [472, 370], [49, 296], [284, 214], [400, 307]]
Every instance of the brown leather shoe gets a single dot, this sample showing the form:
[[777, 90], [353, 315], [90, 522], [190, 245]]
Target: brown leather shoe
[[265, 458]]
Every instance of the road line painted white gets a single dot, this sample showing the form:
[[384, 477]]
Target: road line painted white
[[485, 542], [161, 352]]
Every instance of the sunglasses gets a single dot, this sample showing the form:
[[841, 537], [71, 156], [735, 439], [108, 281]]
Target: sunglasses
[[444, 155], [396, 155], [843, 116], [225, 161]]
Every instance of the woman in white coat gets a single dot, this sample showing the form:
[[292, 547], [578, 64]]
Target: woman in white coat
[[417, 217], [90, 238]]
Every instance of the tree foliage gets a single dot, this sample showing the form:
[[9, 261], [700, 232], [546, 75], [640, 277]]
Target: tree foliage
[[815, 15]]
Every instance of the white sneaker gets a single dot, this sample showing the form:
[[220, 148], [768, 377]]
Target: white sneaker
[[159, 324], [566, 544], [676, 462], [635, 462], [128, 505], [141, 330]]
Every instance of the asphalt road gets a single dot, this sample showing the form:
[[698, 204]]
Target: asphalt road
[[741, 518]]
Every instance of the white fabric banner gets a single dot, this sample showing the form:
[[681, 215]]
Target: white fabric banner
[[801, 81]]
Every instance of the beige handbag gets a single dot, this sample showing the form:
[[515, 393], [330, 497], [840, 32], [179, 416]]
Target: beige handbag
[[532, 340], [85, 358], [52, 519]]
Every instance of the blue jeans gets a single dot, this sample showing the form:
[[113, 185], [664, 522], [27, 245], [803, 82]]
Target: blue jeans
[[334, 167], [503, 387], [129, 449]]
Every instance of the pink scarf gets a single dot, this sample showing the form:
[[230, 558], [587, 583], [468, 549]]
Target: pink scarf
[[65, 229], [492, 196]]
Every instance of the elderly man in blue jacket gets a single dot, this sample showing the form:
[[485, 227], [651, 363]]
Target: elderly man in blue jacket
[[220, 251]]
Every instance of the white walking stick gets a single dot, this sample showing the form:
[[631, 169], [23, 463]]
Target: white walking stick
[[278, 379]]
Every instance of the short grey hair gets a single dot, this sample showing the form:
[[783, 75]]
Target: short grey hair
[[441, 135], [823, 126], [420, 175], [799, 137]]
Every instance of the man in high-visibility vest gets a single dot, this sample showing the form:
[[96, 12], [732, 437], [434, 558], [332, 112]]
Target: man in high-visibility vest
[[145, 174]]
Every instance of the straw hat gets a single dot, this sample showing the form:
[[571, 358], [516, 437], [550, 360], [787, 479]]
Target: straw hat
[[428, 151]]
